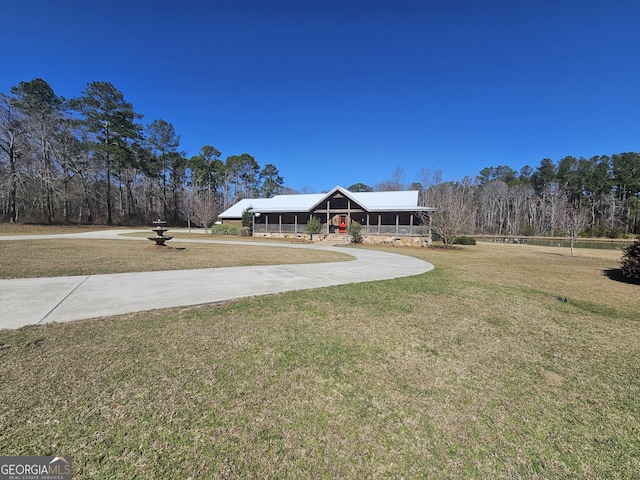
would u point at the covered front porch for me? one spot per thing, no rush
(387, 223)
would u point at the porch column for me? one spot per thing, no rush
(328, 206)
(411, 224)
(379, 224)
(397, 223)
(279, 223)
(367, 223)
(266, 223)
(295, 223)
(430, 232)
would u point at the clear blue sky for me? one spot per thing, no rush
(340, 92)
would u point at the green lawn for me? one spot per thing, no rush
(478, 369)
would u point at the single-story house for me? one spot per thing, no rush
(380, 214)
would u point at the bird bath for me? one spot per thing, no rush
(159, 229)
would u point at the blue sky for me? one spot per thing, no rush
(340, 92)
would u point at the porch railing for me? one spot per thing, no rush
(284, 228)
(399, 230)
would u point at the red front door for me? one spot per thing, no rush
(342, 226)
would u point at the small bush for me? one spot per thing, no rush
(355, 230)
(464, 240)
(600, 231)
(595, 231)
(314, 225)
(631, 260)
(614, 233)
(245, 231)
(225, 229)
(528, 231)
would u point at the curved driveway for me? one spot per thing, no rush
(63, 299)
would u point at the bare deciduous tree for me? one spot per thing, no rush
(494, 204)
(575, 219)
(12, 132)
(394, 184)
(454, 208)
(204, 208)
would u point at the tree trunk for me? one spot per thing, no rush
(13, 184)
(108, 173)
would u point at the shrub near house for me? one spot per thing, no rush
(225, 229)
(464, 240)
(355, 230)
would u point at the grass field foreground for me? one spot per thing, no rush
(478, 369)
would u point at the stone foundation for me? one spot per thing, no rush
(395, 240)
(295, 236)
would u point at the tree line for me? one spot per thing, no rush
(89, 159)
(598, 196)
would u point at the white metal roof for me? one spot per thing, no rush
(370, 201)
(279, 203)
(387, 200)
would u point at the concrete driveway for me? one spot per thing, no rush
(63, 299)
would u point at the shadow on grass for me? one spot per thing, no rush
(616, 275)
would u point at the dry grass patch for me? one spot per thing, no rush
(21, 229)
(59, 257)
(469, 371)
